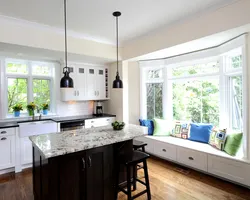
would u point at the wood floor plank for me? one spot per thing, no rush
(166, 184)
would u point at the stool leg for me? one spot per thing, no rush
(129, 183)
(147, 179)
(134, 176)
(143, 149)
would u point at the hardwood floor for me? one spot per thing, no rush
(166, 184)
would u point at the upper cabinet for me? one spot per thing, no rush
(90, 83)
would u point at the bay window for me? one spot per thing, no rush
(205, 90)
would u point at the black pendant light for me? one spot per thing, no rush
(66, 81)
(117, 83)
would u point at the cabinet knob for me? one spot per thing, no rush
(164, 150)
(4, 138)
(3, 132)
(190, 158)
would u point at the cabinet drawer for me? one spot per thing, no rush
(150, 144)
(7, 131)
(229, 169)
(192, 158)
(165, 150)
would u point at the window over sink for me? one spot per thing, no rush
(26, 81)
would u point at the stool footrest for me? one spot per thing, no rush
(139, 194)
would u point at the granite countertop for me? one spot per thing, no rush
(11, 124)
(61, 143)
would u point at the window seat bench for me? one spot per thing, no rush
(199, 156)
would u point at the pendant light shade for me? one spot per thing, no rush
(117, 83)
(66, 81)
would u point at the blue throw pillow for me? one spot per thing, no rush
(200, 132)
(148, 123)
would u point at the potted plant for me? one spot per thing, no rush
(17, 108)
(31, 107)
(45, 107)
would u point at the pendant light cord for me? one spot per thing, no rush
(65, 34)
(117, 49)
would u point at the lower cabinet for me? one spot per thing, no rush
(26, 149)
(229, 169)
(85, 175)
(7, 151)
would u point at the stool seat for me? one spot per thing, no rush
(138, 144)
(137, 157)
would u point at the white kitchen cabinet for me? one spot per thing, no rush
(90, 123)
(7, 149)
(26, 149)
(90, 83)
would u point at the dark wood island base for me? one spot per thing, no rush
(84, 175)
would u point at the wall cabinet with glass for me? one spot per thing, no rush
(90, 83)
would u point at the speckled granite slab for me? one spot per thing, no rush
(56, 144)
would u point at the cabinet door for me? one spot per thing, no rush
(99, 174)
(91, 83)
(100, 83)
(7, 149)
(26, 149)
(72, 183)
(68, 94)
(80, 83)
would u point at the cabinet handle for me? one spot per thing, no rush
(95, 93)
(90, 162)
(4, 138)
(190, 158)
(77, 93)
(3, 132)
(83, 164)
(164, 150)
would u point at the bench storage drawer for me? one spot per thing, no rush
(150, 144)
(229, 169)
(192, 158)
(165, 150)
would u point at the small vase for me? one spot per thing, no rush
(17, 113)
(31, 112)
(45, 111)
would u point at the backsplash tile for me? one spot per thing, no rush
(74, 108)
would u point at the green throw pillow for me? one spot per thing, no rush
(161, 127)
(233, 143)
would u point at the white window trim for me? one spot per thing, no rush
(4, 82)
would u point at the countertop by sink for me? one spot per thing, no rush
(62, 143)
(12, 124)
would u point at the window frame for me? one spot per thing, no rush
(30, 77)
(223, 75)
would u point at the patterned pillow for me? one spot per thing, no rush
(218, 138)
(181, 130)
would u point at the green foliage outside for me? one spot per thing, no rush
(17, 92)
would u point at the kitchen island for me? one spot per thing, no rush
(80, 164)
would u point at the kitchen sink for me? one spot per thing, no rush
(27, 129)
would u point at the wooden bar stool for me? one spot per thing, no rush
(139, 145)
(138, 157)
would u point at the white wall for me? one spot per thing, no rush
(223, 19)
(134, 92)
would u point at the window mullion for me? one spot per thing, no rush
(30, 83)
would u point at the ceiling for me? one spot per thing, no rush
(92, 19)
